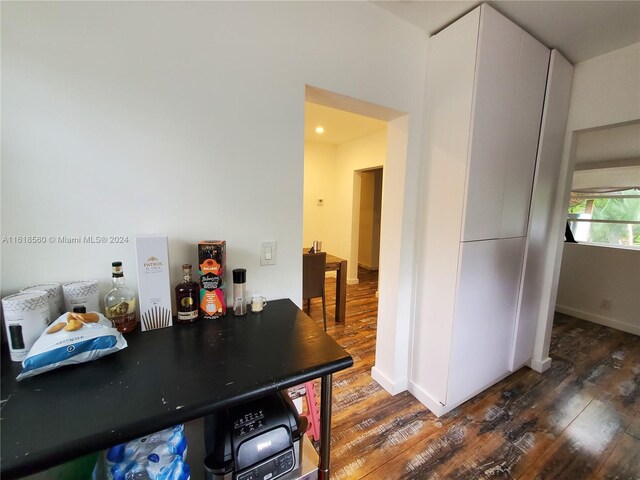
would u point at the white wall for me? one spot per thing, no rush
(331, 174)
(185, 118)
(370, 214)
(604, 92)
(377, 219)
(592, 273)
(605, 89)
(396, 275)
(365, 230)
(319, 183)
(362, 153)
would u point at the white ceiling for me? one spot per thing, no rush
(579, 29)
(339, 126)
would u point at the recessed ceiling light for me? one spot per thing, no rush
(319, 130)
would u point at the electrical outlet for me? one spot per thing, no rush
(605, 304)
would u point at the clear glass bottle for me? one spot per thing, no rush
(239, 291)
(120, 302)
(187, 297)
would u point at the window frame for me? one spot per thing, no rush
(573, 220)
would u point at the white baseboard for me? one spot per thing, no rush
(352, 281)
(331, 274)
(539, 366)
(393, 387)
(599, 319)
(437, 408)
(427, 400)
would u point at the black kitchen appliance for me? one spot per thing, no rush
(260, 439)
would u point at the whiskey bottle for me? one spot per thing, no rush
(187, 297)
(120, 302)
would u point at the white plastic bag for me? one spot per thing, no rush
(72, 338)
(159, 456)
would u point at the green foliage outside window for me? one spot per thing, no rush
(611, 208)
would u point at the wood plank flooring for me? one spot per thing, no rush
(579, 420)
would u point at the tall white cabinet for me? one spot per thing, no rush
(486, 81)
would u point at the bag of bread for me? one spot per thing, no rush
(73, 338)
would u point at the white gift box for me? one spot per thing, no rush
(154, 289)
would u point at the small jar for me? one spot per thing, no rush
(239, 292)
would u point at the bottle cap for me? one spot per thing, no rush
(239, 275)
(116, 269)
(80, 309)
(186, 266)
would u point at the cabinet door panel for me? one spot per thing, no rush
(523, 136)
(496, 71)
(509, 258)
(485, 313)
(450, 77)
(471, 365)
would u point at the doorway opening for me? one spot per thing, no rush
(334, 172)
(343, 150)
(369, 212)
(598, 271)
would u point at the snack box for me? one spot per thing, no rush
(212, 259)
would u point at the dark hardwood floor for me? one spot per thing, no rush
(578, 420)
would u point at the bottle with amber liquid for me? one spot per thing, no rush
(187, 297)
(120, 303)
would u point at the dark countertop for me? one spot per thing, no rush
(164, 377)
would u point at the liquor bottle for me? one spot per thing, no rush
(120, 302)
(187, 297)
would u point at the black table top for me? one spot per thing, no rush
(164, 377)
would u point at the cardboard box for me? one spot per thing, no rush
(154, 288)
(212, 259)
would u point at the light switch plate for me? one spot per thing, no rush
(268, 252)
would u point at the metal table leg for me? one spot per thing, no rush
(325, 427)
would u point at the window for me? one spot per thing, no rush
(606, 217)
